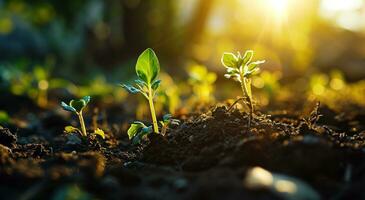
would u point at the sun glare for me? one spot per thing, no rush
(278, 8)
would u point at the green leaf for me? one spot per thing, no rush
(71, 129)
(148, 66)
(78, 104)
(99, 132)
(140, 82)
(229, 60)
(247, 57)
(143, 132)
(86, 99)
(156, 84)
(67, 107)
(253, 65)
(167, 117)
(134, 129)
(131, 89)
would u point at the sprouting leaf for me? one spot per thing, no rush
(86, 99)
(229, 60)
(71, 129)
(148, 66)
(143, 132)
(99, 132)
(253, 65)
(156, 84)
(167, 117)
(131, 89)
(140, 82)
(247, 73)
(67, 107)
(247, 57)
(134, 129)
(78, 104)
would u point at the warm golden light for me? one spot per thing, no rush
(278, 8)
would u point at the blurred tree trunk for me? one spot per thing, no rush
(134, 25)
(195, 28)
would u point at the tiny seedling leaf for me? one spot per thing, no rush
(99, 132)
(247, 57)
(71, 129)
(78, 104)
(143, 132)
(229, 60)
(86, 99)
(156, 84)
(140, 82)
(67, 107)
(167, 117)
(131, 89)
(148, 66)
(253, 65)
(134, 129)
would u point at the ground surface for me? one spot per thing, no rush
(207, 157)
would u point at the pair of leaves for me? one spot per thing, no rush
(237, 64)
(71, 129)
(77, 105)
(147, 70)
(137, 131)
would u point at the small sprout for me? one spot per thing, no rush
(99, 132)
(76, 106)
(71, 129)
(147, 70)
(242, 69)
(137, 131)
(167, 121)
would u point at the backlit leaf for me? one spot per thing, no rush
(247, 57)
(148, 66)
(134, 129)
(229, 60)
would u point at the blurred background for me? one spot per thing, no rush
(314, 48)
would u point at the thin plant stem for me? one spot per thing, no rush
(245, 91)
(82, 124)
(152, 109)
(234, 103)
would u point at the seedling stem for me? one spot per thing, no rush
(82, 123)
(152, 109)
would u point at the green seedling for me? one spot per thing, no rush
(137, 131)
(167, 121)
(77, 106)
(241, 69)
(147, 70)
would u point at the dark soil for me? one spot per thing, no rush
(206, 157)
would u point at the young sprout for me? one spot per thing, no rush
(167, 121)
(76, 106)
(242, 69)
(137, 131)
(147, 70)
